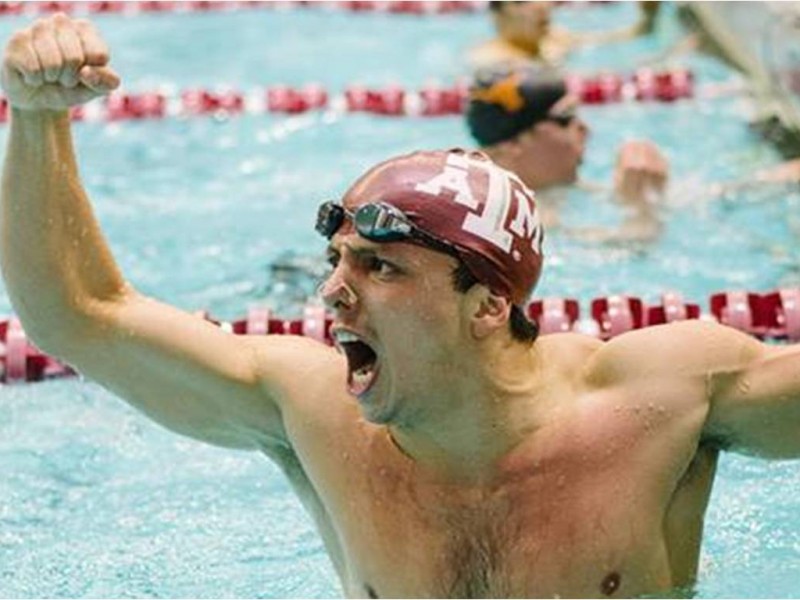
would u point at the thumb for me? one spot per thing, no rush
(101, 80)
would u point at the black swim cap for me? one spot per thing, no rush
(504, 102)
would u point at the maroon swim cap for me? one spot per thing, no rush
(464, 198)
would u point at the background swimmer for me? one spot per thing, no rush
(526, 120)
(525, 34)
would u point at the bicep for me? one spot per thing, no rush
(182, 371)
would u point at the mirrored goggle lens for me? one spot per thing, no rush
(562, 119)
(381, 223)
(330, 217)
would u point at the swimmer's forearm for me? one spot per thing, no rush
(54, 258)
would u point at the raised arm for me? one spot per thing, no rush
(640, 178)
(67, 289)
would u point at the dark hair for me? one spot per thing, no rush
(523, 329)
(497, 5)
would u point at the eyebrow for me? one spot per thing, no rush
(358, 252)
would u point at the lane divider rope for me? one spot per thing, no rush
(432, 100)
(129, 9)
(772, 316)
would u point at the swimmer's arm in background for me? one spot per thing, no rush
(785, 173)
(64, 282)
(645, 25)
(635, 229)
(640, 180)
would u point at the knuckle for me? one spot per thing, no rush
(97, 56)
(61, 18)
(20, 39)
(41, 27)
(84, 25)
(50, 65)
(72, 61)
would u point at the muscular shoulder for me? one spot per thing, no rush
(566, 355)
(684, 349)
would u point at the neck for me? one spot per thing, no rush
(477, 422)
(507, 156)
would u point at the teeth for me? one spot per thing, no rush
(344, 337)
(362, 376)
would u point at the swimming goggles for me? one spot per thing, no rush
(378, 222)
(563, 118)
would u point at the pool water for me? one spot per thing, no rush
(99, 502)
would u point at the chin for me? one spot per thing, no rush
(376, 408)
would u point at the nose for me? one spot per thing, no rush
(336, 292)
(582, 127)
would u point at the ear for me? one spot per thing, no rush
(491, 312)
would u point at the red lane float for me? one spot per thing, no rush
(783, 314)
(617, 314)
(284, 99)
(671, 309)
(21, 361)
(554, 315)
(774, 315)
(736, 309)
(204, 102)
(666, 86)
(315, 323)
(135, 106)
(644, 85)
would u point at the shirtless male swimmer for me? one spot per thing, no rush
(443, 452)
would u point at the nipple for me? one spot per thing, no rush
(610, 584)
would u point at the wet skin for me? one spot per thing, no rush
(602, 494)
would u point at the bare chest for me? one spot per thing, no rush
(551, 535)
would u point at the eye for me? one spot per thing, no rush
(381, 267)
(333, 259)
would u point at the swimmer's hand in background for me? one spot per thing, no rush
(641, 173)
(56, 63)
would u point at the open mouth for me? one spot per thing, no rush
(362, 362)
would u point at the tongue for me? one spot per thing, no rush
(361, 366)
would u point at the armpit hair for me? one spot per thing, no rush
(718, 440)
